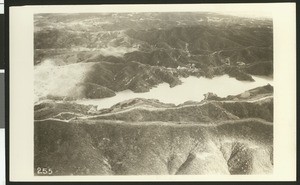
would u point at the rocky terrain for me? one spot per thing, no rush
(232, 135)
(112, 52)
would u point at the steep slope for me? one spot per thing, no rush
(233, 135)
(111, 148)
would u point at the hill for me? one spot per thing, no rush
(146, 137)
(137, 51)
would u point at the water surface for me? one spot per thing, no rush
(192, 89)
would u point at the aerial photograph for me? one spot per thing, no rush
(152, 93)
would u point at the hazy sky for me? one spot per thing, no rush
(247, 14)
(242, 9)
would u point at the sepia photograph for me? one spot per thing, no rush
(160, 93)
(200, 92)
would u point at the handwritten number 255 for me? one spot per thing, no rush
(44, 171)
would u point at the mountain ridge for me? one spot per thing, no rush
(152, 54)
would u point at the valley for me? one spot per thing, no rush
(162, 93)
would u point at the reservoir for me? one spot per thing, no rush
(192, 89)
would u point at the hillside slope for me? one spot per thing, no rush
(138, 51)
(146, 137)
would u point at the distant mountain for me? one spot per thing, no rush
(137, 51)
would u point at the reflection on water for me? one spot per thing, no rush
(192, 88)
